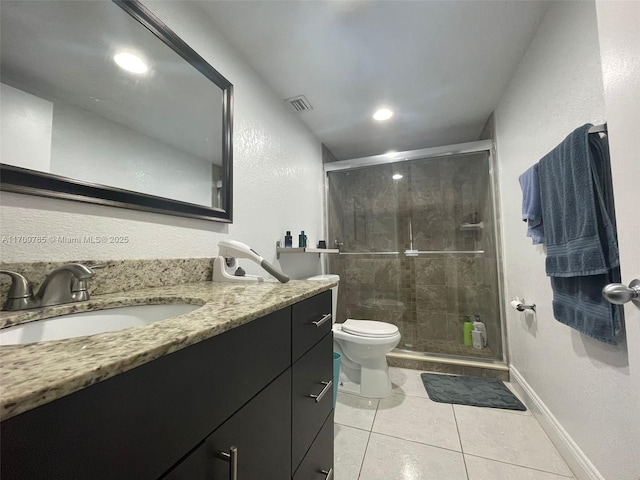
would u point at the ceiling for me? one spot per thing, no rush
(441, 66)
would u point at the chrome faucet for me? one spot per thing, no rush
(65, 284)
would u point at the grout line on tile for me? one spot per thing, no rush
(375, 414)
(455, 419)
(572, 477)
(364, 456)
(351, 426)
(417, 443)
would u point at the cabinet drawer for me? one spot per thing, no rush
(318, 462)
(261, 433)
(140, 423)
(310, 322)
(309, 413)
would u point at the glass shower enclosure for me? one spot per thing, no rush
(418, 248)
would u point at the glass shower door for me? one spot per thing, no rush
(418, 250)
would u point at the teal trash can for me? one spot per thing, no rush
(337, 358)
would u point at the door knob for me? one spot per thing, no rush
(619, 293)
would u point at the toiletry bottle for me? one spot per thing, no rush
(477, 339)
(288, 240)
(479, 326)
(467, 328)
(302, 240)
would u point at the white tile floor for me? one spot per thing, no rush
(409, 437)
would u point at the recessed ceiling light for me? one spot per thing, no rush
(396, 176)
(383, 114)
(130, 62)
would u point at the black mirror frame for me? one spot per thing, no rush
(26, 181)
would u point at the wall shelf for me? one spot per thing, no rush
(280, 249)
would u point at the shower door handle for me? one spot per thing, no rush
(619, 293)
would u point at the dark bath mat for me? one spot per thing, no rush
(480, 392)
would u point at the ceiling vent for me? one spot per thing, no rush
(299, 103)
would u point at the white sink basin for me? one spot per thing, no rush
(90, 323)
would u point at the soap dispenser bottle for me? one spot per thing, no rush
(479, 326)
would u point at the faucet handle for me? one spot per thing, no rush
(78, 270)
(98, 266)
(20, 294)
(20, 287)
(79, 289)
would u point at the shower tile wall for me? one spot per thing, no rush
(427, 296)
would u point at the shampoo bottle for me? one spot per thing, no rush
(477, 339)
(467, 328)
(480, 327)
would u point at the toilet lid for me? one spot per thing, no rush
(369, 328)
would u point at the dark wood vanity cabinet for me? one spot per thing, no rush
(259, 432)
(311, 375)
(312, 387)
(318, 462)
(175, 417)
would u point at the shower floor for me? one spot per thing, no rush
(450, 347)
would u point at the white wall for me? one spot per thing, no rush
(618, 26)
(86, 146)
(25, 129)
(277, 181)
(583, 383)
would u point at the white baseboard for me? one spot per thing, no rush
(577, 461)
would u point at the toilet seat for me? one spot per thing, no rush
(369, 328)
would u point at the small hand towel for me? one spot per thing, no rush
(531, 205)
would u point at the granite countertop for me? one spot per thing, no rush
(34, 374)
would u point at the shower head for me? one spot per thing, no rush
(235, 249)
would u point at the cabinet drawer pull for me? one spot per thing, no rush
(232, 458)
(328, 473)
(327, 387)
(324, 318)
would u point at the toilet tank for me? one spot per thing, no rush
(334, 290)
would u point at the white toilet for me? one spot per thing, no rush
(363, 345)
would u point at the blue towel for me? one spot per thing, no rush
(579, 218)
(531, 206)
(578, 303)
(577, 243)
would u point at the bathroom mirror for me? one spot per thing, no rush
(103, 103)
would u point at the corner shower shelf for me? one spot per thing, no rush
(280, 250)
